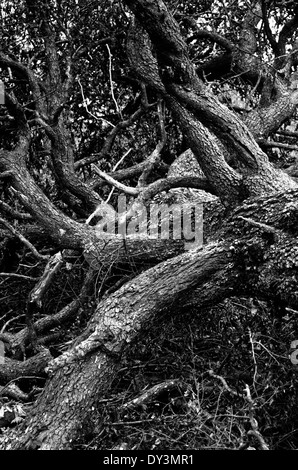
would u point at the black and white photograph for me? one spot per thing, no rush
(149, 228)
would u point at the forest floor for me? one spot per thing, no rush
(236, 385)
(232, 383)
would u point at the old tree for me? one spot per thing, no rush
(101, 99)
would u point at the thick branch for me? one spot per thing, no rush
(272, 144)
(287, 31)
(116, 323)
(153, 394)
(34, 366)
(27, 73)
(211, 35)
(154, 158)
(128, 173)
(166, 184)
(270, 37)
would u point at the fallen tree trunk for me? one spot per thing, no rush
(85, 372)
(256, 255)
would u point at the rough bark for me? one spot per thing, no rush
(32, 367)
(198, 111)
(264, 260)
(90, 365)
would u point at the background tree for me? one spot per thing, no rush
(136, 83)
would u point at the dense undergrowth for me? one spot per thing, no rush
(247, 349)
(234, 384)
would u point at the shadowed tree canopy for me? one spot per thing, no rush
(155, 100)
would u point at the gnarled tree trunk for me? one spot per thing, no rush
(251, 248)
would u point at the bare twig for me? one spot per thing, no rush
(253, 422)
(23, 240)
(126, 189)
(111, 81)
(273, 144)
(115, 168)
(98, 118)
(153, 393)
(264, 227)
(155, 155)
(20, 276)
(288, 133)
(253, 355)
(224, 382)
(9, 322)
(247, 396)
